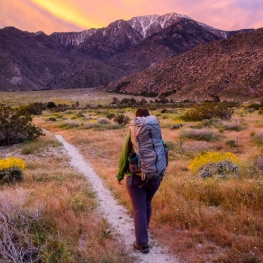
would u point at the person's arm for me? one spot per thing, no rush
(123, 160)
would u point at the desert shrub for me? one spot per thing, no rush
(259, 162)
(133, 101)
(35, 108)
(125, 101)
(161, 100)
(203, 159)
(103, 120)
(254, 106)
(110, 115)
(11, 169)
(51, 105)
(80, 115)
(231, 143)
(208, 111)
(203, 134)
(121, 119)
(16, 228)
(142, 101)
(233, 126)
(149, 94)
(257, 138)
(60, 107)
(223, 169)
(12, 162)
(115, 100)
(51, 119)
(16, 126)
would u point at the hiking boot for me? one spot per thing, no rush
(144, 248)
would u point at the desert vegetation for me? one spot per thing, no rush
(50, 216)
(215, 218)
(16, 125)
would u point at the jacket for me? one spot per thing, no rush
(123, 160)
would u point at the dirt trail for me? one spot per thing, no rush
(116, 214)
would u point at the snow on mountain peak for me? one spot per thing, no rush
(144, 24)
(73, 38)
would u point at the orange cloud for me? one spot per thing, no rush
(29, 17)
(67, 11)
(77, 15)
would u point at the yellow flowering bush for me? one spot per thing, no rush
(11, 161)
(211, 157)
(12, 168)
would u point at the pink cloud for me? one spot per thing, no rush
(29, 17)
(225, 14)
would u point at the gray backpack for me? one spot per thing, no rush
(149, 159)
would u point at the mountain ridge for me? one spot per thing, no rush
(95, 57)
(230, 68)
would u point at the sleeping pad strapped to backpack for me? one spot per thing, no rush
(147, 143)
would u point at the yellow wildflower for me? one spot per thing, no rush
(10, 162)
(211, 157)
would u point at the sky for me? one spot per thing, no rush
(77, 15)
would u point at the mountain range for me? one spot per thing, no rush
(145, 53)
(227, 69)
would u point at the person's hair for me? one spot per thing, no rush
(142, 113)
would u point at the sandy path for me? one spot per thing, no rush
(117, 215)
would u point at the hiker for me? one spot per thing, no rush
(144, 144)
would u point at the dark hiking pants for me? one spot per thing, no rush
(141, 195)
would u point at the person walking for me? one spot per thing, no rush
(145, 145)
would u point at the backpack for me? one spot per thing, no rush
(149, 157)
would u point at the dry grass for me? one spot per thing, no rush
(54, 212)
(201, 220)
(204, 220)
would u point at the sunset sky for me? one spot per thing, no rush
(77, 15)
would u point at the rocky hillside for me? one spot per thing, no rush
(95, 57)
(229, 69)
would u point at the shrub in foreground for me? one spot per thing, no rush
(203, 159)
(223, 169)
(16, 126)
(11, 169)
